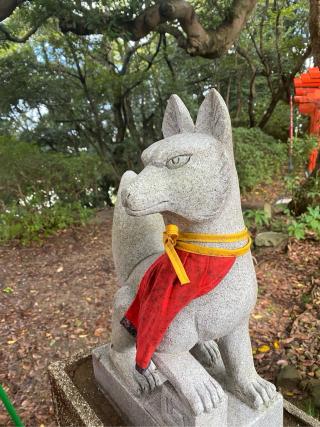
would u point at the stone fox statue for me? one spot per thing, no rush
(189, 180)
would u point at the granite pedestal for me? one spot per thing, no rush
(165, 407)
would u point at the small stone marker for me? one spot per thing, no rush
(271, 238)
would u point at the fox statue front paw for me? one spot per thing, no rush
(149, 380)
(256, 392)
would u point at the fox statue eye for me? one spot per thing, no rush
(178, 161)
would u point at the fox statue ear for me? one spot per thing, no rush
(214, 119)
(176, 118)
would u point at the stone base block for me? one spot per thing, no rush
(165, 407)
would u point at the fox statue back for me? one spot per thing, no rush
(187, 280)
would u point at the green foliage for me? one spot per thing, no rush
(34, 221)
(41, 192)
(312, 219)
(302, 147)
(296, 230)
(305, 191)
(313, 191)
(259, 157)
(256, 218)
(278, 125)
(310, 408)
(307, 223)
(108, 94)
(306, 299)
(25, 170)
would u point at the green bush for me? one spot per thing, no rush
(256, 218)
(25, 170)
(308, 222)
(34, 222)
(259, 157)
(278, 125)
(41, 192)
(301, 227)
(301, 150)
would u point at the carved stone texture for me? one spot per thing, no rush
(165, 407)
(189, 180)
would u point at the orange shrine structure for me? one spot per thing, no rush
(307, 96)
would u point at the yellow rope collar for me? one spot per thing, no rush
(173, 240)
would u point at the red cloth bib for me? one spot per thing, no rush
(160, 297)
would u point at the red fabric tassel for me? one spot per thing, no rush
(160, 297)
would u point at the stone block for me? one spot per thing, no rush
(79, 402)
(165, 407)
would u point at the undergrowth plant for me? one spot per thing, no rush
(306, 224)
(42, 192)
(256, 218)
(34, 222)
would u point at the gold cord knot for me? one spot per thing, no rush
(171, 234)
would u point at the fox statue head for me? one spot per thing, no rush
(191, 172)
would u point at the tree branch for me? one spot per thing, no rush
(210, 43)
(150, 63)
(314, 27)
(195, 39)
(12, 38)
(252, 89)
(176, 33)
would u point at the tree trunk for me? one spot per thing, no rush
(7, 7)
(228, 92)
(130, 121)
(268, 113)
(119, 121)
(252, 94)
(314, 26)
(239, 98)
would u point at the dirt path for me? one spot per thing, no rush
(60, 302)
(57, 298)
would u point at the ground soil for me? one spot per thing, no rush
(56, 299)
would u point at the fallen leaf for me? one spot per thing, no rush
(263, 348)
(257, 316)
(289, 393)
(98, 332)
(282, 362)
